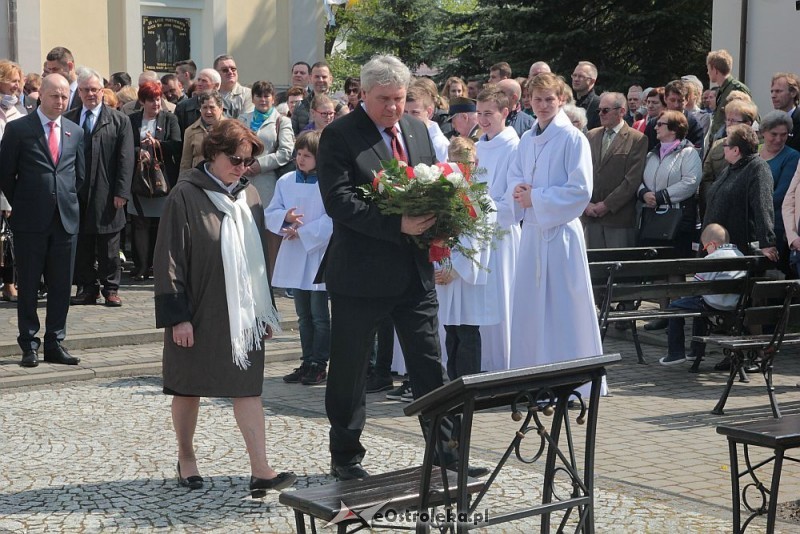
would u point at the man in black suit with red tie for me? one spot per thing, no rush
(41, 171)
(372, 269)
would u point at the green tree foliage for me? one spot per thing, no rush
(647, 41)
(405, 28)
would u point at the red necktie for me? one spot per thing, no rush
(52, 141)
(397, 149)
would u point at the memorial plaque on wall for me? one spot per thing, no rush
(165, 40)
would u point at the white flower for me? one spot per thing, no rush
(381, 187)
(426, 173)
(457, 179)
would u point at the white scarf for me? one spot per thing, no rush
(250, 308)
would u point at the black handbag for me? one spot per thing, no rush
(149, 179)
(660, 224)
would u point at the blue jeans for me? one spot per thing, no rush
(314, 321)
(675, 336)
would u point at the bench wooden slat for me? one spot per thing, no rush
(783, 432)
(765, 315)
(680, 266)
(626, 292)
(772, 289)
(398, 489)
(630, 254)
(746, 342)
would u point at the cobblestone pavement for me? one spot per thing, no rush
(91, 449)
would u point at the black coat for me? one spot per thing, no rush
(109, 168)
(169, 133)
(36, 188)
(367, 255)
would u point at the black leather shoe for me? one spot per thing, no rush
(29, 358)
(60, 355)
(84, 297)
(193, 482)
(348, 472)
(259, 486)
(656, 324)
(472, 472)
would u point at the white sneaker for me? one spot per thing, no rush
(672, 360)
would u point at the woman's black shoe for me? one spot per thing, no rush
(724, 365)
(259, 486)
(192, 482)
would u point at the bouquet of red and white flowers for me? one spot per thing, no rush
(461, 205)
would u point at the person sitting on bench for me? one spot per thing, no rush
(716, 241)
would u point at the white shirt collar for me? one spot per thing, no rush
(95, 110)
(46, 121)
(380, 128)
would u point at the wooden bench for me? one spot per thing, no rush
(779, 435)
(596, 255)
(754, 348)
(389, 494)
(625, 281)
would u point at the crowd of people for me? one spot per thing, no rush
(263, 194)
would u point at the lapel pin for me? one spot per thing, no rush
(68, 134)
(158, 128)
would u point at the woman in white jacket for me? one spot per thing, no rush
(671, 178)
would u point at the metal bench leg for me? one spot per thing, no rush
(635, 334)
(734, 467)
(773, 490)
(773, 401)
(736, 367)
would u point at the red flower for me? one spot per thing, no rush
(438, 251)
(410, 173)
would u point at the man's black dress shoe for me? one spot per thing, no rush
(656, 324)
(472, 472)
(348, 472)
(193, 482)
(59, 354)
(29, 358)
(85, 297)
(259, 486)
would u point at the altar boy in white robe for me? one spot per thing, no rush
(296, 212)
(495, 149)
(550, 182)
(467, 299)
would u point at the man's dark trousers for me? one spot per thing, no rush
(352, 333)
(52, 253)
(104, 247)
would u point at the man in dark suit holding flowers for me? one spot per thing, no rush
(372, 269)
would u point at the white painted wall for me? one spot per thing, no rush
(771, 41)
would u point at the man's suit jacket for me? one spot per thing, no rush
(617, 175)
(109, 167)
(367, 255)
(34, 185)
(794, 138)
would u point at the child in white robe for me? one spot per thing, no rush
(296, 212)
(495, 149)
(467, 300)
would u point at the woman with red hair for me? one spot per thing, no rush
(151, 124)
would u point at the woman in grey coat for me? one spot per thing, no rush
(278, 137)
